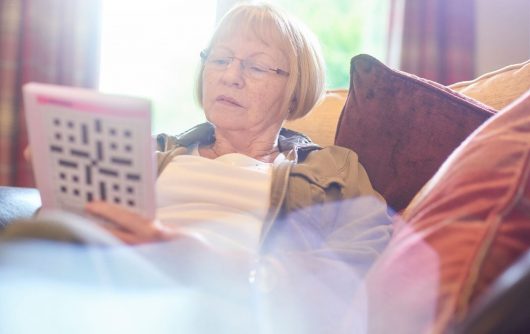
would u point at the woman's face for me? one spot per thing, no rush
(237, 95)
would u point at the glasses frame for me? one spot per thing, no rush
(205, 54)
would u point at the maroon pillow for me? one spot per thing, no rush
(470, 222)
(402, 127)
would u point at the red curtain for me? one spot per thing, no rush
(433, 39)
(48, 41)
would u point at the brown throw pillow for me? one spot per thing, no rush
(402, 127)
(471, 222)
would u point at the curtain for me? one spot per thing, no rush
(47, 41)
(433, 39)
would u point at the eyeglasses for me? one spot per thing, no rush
(251, 68)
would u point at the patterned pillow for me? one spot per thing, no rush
(403, 127)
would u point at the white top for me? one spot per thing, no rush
(223, 200)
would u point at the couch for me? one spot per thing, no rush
(453, 163)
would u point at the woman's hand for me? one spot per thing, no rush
(129, 226)
(196, 259)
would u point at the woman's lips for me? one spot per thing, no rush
(228, 100)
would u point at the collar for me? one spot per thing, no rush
(295, 143)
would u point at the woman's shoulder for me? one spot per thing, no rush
(327, 162)
(333, 154)
(336, 165)
(202, 133)
(168, 146)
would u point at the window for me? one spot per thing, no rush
(344, 28)
(151, 49)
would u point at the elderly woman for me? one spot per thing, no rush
(241, 179)
(258, 203)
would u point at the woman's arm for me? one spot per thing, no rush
(332, 211)
(129, 226)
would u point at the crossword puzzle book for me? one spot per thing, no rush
(89, 146)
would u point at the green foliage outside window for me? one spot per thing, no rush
(344, 28)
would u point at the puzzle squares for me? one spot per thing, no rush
(90, 146)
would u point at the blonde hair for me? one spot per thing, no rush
(306, 80)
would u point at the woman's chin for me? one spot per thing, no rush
(228, 123)
(227, 118)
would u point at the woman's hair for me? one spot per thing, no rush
(305, 84)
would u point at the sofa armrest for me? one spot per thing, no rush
(17, 203)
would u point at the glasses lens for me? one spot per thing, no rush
(255, 70)
(218, 62)
(251, 67)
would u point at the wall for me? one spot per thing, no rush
(503, 33)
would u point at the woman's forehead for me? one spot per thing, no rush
(230, 35)
(250, 42)
(238, 39)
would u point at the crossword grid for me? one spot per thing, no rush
(94, 159)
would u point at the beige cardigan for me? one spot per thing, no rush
(321, 199)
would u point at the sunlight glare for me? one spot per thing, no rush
(151, 49)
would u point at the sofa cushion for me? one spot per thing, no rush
(321, 122)
(470, 223)
(497, 88)
(403, 127)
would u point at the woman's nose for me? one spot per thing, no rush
(234, 74)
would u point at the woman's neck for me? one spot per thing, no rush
(263, 147)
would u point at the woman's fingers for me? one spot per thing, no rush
(121, 234)
(116, 214)
(126, 220)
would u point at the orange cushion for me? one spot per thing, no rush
(321, 122)
(470, 223)
(498, 88)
